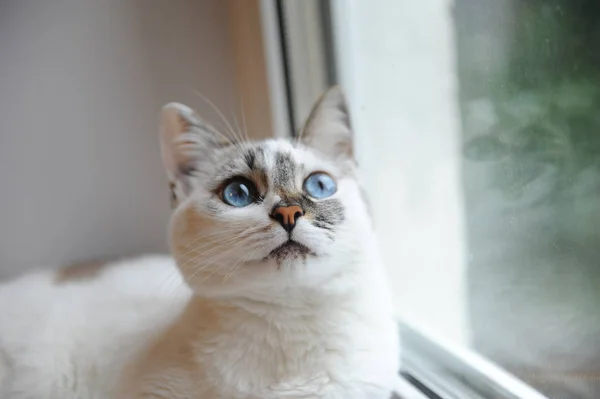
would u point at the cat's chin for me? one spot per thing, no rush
(290, 250)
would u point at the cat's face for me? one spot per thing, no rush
(251, 215)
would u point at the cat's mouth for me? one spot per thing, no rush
(290, 249)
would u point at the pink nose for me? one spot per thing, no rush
(287, 216)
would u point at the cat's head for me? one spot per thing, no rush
(253, 215)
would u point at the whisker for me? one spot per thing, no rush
(246, 231)
(225, 121)
(245, 139)
(213, 233)
(245, 127)
(217, 246)
(234, 228)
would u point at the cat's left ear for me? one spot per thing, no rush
(185, 139)
(327, 128)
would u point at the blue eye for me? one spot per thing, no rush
(239, 192)
(320, 185)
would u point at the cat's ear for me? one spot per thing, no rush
(185, 138)
(327, 128)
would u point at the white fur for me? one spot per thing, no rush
(71, 341)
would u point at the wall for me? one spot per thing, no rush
(81, 84)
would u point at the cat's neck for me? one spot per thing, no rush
(281, 331)
(355, 290)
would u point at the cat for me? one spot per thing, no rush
(280, 289)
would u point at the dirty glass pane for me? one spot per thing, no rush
(529, 73)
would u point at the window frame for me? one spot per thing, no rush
(447, 371)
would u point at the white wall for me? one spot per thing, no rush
(396, 62)
(81, 83)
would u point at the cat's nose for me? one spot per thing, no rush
(287, 216)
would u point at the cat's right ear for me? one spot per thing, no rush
(185, 138)
(328, 126)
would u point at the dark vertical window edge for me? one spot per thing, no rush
(286, 65)
(328, 42)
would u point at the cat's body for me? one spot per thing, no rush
(276, 244)
(70, 339)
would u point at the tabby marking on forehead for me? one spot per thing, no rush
(250, 158)
(284, 171)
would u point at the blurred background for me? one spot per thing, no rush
(478, 118)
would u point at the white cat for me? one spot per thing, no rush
(287, 300)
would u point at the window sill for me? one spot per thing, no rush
(433, 369)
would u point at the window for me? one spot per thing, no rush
(479, 120)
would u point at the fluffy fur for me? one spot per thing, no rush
(71, 340)
(258, 322)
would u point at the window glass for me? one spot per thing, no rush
(530, 101)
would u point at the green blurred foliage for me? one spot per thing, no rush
(547, 102)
